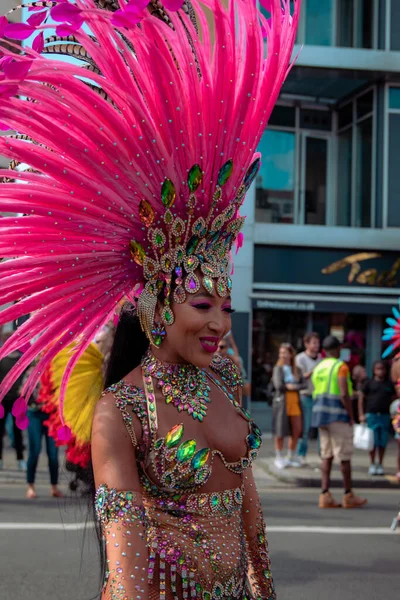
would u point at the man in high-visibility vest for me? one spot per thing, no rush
(333, 415)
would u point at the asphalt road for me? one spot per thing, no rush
(317, 555)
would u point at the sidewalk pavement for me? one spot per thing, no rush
(310, 475)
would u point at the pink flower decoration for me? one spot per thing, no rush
(64, 434)
(4, 127)
(1, 411)
(67, 13)
(38, 43)
(22, 422)
(17, 69)
(66, 30)
(19, 407)
(18, 31)
(37, 18)
(173, 4)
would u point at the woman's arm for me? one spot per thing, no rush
(277, 379)
(259, 575)
(119, 505)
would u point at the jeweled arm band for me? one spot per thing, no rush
(111, 505)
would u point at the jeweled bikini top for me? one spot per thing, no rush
(180, 465)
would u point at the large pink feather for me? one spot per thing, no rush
(68, 261)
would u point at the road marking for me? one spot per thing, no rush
(46, 526)
(330, 530)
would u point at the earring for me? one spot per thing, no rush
(158, 333)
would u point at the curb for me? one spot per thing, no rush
(288, 477)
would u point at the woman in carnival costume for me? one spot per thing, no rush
(139, 160)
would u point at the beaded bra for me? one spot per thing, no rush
(181, 465)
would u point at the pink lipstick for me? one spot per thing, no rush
(210, 344)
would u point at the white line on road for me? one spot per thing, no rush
(270, 529)
(330, 530)
(46, 526)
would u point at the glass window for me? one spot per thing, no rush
(364, 174)
(394, 97)
(316, 150)
(283, 116)
(345, 115)
(345, 159)
(345, 23)
(316, 119)
(319, 22)
(275, 181)
(365, 104)
(365, 24)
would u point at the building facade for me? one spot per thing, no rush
(322, 239)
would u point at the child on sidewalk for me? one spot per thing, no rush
(374, 404)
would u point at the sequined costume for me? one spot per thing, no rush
(172, 536)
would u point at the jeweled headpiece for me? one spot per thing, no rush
(180, 246)
(143, 149)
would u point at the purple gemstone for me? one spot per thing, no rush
(192, 284)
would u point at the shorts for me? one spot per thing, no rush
(380, 425)
(293, 408)
(336, 441)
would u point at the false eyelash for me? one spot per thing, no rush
(230, 311)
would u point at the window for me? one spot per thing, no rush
(344, 23)
(355, 162)
(319, 22)
(275, 181)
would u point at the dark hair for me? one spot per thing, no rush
(309, 336)
(129, 346)
(331, 343)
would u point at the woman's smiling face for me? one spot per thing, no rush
(200, 323)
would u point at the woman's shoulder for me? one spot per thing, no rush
(229, 372)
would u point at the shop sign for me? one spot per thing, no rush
(354, 266)
(326, 266)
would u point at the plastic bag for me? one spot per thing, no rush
(363, 438)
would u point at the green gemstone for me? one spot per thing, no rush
(208, 284)
(215, 501)
(137, 252)
(159, 239)
(225, 172)
(253, 441)
(218, 591)
(206, 596)
(192, 245)
(158, 444)
(168, 193)
(185, 451)
(174, 436)
(251, 173)
(195, 177)
(167, 316)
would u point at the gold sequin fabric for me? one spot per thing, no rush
(189, 543)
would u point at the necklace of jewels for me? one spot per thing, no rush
(185, 386)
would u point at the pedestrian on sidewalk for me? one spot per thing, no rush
(374, 409)
(37, 429)
(286, 409)
(395, 415)
(333, 415)
(307, 361)
(6, 406)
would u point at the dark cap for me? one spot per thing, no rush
(331, 343)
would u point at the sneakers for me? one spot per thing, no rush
(294, 463)
(21, 465)
(280, 462)
(372, 470)
(352, 501)
(380, 470)
(327, 501)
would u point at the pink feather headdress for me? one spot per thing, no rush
(163, 118)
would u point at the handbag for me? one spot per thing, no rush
(363, 438)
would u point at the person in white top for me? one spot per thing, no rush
(307, 361)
